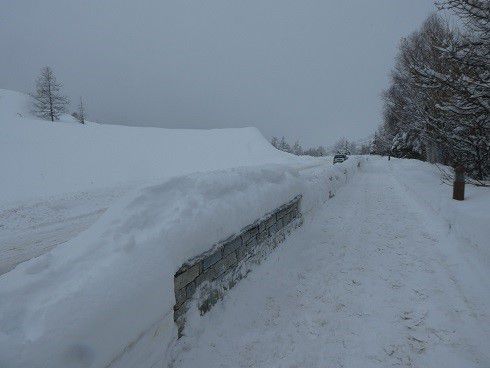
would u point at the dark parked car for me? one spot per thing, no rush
(339, 158)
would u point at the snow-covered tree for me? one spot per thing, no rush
(437, 106)
(275, 142)
(48, 101)
(344, 146)
(284, 146)
(297, 149)
(80, 114)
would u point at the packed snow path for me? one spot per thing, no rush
(371, 280)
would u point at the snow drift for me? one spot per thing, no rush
(39, 158)
(84, 302)
(90, 301)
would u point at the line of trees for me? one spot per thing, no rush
(297, 149)
(343, 145)
(48, 101)
(437, 106)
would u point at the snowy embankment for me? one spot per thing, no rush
(85, 301)
(58, 178)
(39, 158)
(105, 297)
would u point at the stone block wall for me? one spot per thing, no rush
(205, 278)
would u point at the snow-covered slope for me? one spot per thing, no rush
(89, 300)
(40, 158)
(58, 178)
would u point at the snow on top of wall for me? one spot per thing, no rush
(40, 158)
(88, 299)
(97, 292)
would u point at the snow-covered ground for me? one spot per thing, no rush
(58, 178)
(33, 228)
(388, 272)
(375, 278)
(110, 213)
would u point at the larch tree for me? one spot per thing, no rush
(48, 101)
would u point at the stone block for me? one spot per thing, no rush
(262, 226)
(224, 264)
(180, 297)
(232, 245)
(190, 289)
(212, 259)
(242, 252)
(179, 312)
(249, 233)
(187, 276)
(262, 237)
(207, 276)
(252, 243)
(282, 213)
(270, 221)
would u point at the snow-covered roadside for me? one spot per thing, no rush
(88, 299)
(31, 229)
(468, 220)
(368, 281)
(58, 178)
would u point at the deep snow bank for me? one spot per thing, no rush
(106, 296)
(40, 158)
(92, 300)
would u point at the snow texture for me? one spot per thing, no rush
(374, 278)
(90, 300)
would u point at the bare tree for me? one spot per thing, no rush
(48, 102)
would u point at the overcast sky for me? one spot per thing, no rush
(311, 70)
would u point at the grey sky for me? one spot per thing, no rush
(311, 70)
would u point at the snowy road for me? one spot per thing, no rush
(370, 280)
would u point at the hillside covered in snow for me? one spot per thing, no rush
(40, 158)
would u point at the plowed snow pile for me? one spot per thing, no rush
(108, 292)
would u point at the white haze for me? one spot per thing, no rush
(311, 70)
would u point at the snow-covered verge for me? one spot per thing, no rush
(467, 220)
(88, 302)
